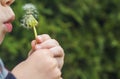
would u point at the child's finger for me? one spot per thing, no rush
(59, 55)
(42, 38)
(47, 44)
(57, 51)
(33, 43)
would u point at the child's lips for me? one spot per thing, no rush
(8, 27)
(8, 24)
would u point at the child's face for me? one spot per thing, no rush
(6, 17)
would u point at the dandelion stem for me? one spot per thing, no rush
(35, 32)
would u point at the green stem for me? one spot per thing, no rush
(35, 32)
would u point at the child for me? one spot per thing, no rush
(45, 59)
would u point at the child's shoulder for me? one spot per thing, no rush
(4, 73)
(3, 70)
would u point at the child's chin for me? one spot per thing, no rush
(0, 41)
(1, 37)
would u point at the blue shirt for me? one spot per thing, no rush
(4, 73)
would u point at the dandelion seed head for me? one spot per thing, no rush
(30, 10)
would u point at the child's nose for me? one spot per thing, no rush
(12, 15)
(9, 13)
(7, 2)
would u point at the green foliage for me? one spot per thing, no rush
(88, 30)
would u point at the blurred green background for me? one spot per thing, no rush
(88, 30)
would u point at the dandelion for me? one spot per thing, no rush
(29, 18)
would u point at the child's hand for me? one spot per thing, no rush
(39, 65)
(46, 58)
(45, 42)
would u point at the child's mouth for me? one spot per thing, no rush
(8, 27)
